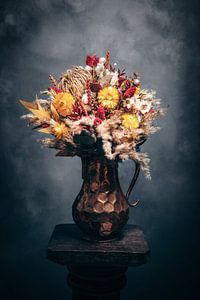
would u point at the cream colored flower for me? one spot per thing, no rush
(100, 68)
(143, 106)
(114, 80)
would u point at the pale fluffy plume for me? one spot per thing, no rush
(107, 131)
(57, 144)
(142, 158)
(76, 126)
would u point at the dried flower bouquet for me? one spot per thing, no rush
(96, 109)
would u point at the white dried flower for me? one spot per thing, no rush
(88, 68)
(136, 81)
(102, 60)
(114, 80)
(100, 68)
(108, 72)
(85, 98)
(143, 106)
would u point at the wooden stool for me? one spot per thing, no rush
(97, 269)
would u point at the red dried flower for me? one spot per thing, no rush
(97, 121)
(82, 107)
(76, 114)
(55, 89)
(92, 60)
(89, 96)
(101, 112)
(45, 125)
(130, 92)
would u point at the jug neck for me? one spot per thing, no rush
(100, 170)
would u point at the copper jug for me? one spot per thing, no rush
(101, 209)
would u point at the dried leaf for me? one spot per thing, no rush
(61, 153)
(45, 130)
(28, 105)
(54, 113)
(65, 153)
(38, 103)
(42, 115)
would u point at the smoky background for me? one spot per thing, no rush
(160, 41)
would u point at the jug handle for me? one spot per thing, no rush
(133, 181)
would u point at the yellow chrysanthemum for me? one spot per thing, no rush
(130, 121)
(63, 102)
(108, 97)
(59, 130)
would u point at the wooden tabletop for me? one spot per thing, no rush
(67, 247)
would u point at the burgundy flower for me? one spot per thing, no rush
(121, 80)
(55, 89)
(92, 60)
(130, 92)
(95, 87)
(101, 112)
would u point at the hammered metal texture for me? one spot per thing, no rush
(100, 209)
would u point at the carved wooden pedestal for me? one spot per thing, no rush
(97, 269)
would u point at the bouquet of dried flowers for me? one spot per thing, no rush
(96, 109)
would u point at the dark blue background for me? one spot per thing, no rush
(160, 39)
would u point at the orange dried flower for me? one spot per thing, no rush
(63, 102)
(59, 130)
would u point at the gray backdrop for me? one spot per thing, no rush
(159, 39)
